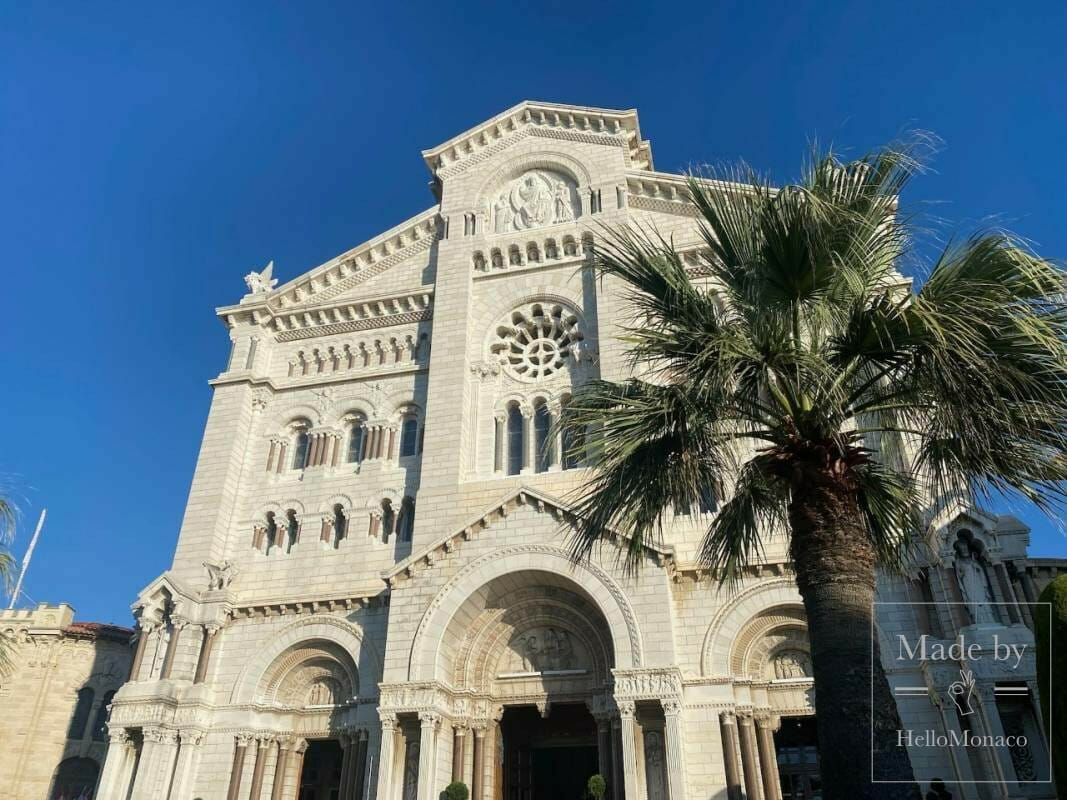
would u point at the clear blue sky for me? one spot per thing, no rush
(152, 154)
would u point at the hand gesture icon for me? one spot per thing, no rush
(962, 691)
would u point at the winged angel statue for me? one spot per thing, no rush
(261, 282)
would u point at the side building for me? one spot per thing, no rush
(371, 593)
(54, 701)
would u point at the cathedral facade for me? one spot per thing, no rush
(371, 594)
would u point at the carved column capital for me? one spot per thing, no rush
(388, 720)
(191, 737)
(728, 718)
(627, 708)
(771, 722)
(672, 706)
(429, 719)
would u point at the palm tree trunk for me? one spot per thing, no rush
(834, 565)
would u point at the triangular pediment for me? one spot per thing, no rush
(523, 496)
(551, 120)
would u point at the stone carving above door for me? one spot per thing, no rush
(533, 200)
(543, 649)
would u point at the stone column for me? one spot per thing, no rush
(478, 768)
(750, 759)
(188, 758)
(240, 746)
(172, 649)
(138, 654)
(204, 658)
(992, 726)
(459, 747)
(277, 788)
(120, 748)
(429, 723)
(348, 752)
(147, 767)
(358, 777)
(728, 728)
(603, 749)
(387, 757)
(555, 440)
(298, 763)
(627, 711)
(499, 435)
(170, 751)
(672, 714)
(262, 745)
(529, 447)
(1014, 614)
(617, 782)
(768, 757)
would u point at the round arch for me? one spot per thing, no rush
(545, 159)
(331, 630)
(729, 624)
(585, 579)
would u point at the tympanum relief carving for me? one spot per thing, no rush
(533, 200)
(543, 649)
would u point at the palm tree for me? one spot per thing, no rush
(807, 383)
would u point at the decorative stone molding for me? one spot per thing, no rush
(648, 684)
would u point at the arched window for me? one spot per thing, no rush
(355, 442)
(300, 451)
(100, 724)
(514, 440)
(272, 532)
(82, 709)
(406, 522)
(542, 440)
(340, 524)
(709, 502)
(572, 442)
(292, 529)
(409, 436)
(388, 520)
(74, 777)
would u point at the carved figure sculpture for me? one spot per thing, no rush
(261, 282)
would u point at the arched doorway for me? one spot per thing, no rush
(538, 646)
(75, 779)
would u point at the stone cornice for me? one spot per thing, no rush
(328, 319)
(578, 123)
(524, 495)
(353, 267)
(370, 597)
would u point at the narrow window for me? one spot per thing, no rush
(340, 524)
(355, 442)
(292, 529)
(406, 523)
(251, 358)
(300, 452)
(100, 724)
(409, 436)
(542, 427)
(81, 713)
(514, 440)
(708, 501)
(272, 531)
(573, 442)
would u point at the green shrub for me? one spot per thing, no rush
(596, 786)
(1053, 703)
(457, 790)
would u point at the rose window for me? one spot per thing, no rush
(538, 341)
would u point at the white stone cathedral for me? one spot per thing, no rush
(371, 594)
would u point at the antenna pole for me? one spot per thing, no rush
(26, 559)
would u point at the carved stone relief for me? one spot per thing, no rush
(533, 200)
(543, 649)
(791, 664)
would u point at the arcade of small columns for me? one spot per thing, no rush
(553, 456)
(749, 756)
(326, 446)
(168, 633)
(474, 742)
